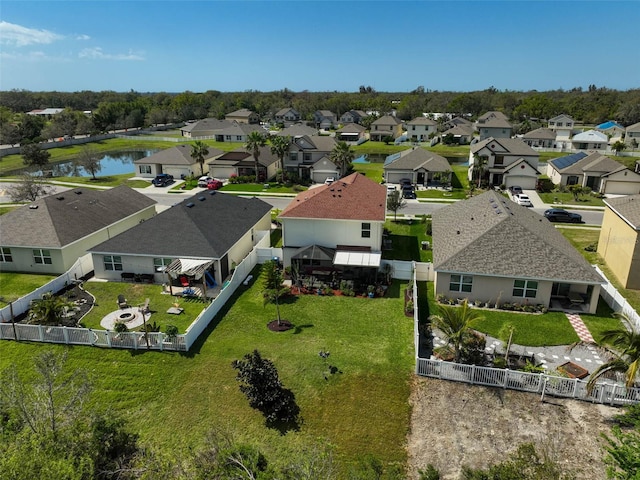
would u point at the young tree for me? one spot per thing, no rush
(199, 150)
(280, 148)
(272, 288)
(33, 155)
(9, 134)
(395, 202)
(28, 189)
(618, 147)
(455, 324)
(255, 140)
(261, 385)
(342, 156)
(89, 159)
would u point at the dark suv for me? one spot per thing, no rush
(560, 215)
(162, 180)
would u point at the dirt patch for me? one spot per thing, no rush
(454, 424)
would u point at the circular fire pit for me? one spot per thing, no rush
(130, 317)
(125, 317)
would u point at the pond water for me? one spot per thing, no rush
(114, 163)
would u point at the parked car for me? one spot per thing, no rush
(204, 180)
(515, 190)
(523, 200)
(408, 192)
(391, 189)
(162, 180)
(214, 184)
(329, 180)
(404, 182)
(560, 215)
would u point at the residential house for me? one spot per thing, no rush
(495, 125)
(46, 112)
(540, 137)
(488, 249)
(598, 172)
(421, 129)
(50, 234)
(590, 140)
(287, 116)
(507, 161)
(353, 116)
(244, 115)
(462, 134)
(386, 126)
(352, 133)
(336, 227)
(297, 130)
(458, 121)
(563, 126)
(619, 242)
(176, 161)
(632, 135)
(240, 163)
(325, 119)
(305, 152)
(238, 132)
(207, 127)
(211, 229)
(421, 166)
(613, 130)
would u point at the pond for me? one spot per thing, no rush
(113, 163)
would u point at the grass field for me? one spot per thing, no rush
(406, 238)
(568, 199)
(16, 285)
(174, 399)
(259, 188)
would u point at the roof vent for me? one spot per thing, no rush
(60, 197)
(458, 232)
(201, 198)
(78, 192)
(190, 205)
(33, 207)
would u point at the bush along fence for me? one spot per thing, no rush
(543, 384)
(617, 302)
(129, 340)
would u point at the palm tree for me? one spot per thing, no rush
(280, 148)
(342, 156)
(199, 150)
(49, 309)
(479, 167)
(454, 323)
(255, 140)
(626, 341)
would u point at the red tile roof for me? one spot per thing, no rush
(354, 197)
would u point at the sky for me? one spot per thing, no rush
(392, 46)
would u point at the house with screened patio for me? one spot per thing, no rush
(489, 250)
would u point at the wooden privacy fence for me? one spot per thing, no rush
(543, 384)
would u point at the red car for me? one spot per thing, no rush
(214, 184)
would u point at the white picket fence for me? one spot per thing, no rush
(617, 302)
(543, 384)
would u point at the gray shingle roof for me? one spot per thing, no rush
(422, 121)
(206, 230)
(543, 133)
(298, 130)
(207, 124)
(491, 235)
(70, 216)
(514, 146)
(416, 158)
(591, 163)
(180, 155)
(633, 128)
(628, 208)
(387, 120)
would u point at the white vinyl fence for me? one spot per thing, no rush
(616, 301)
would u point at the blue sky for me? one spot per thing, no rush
(173, 46)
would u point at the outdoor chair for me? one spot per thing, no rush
(184, 281)
(122, 302)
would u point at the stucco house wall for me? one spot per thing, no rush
(330, 233)
(619, 246)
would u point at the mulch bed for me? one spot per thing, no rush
(83, 299)
(283, 326)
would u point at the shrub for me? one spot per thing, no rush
(120, 327)
(171, 331)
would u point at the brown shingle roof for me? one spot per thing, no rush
(354, 197)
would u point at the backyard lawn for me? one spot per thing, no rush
(406, 240)
(566, 198)
(16, 285)
(173, 399)
(260, 188)
(107, 181)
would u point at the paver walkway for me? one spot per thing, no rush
(581, 329)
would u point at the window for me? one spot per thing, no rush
(5, 255)
(559, 124)
(460, 283)
(525, 288)
(499, 160)
(160, 264)
(307, 157)
(112, 262)
(293, 156)
(366, 230)
(239, 138)
(227, 138)
(42, 257)
(145, 169)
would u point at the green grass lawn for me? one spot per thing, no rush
(172, 399)
(4, 210)
(259, 187)
(16, 285)
(108, 181)
(567, 199)
(406, 238)
(372, 170)
(461, 151)
(455, 194)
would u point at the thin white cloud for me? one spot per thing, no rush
(36, 56)
(12, 34)
(83, 37)
(96, 53)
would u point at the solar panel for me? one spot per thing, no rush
(564, 162)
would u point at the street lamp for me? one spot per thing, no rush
(13, 319)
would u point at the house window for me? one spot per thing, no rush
(525, 288)
(5, 255)
(112, 262)
(307, 157)
(559, 124)
(145, 169)
(499, 160)
(42, 257)
(293, 156)
(460, 283)
(366, 230)
(572, 180)
(227, 138)
(160, 264)
(239, 138)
